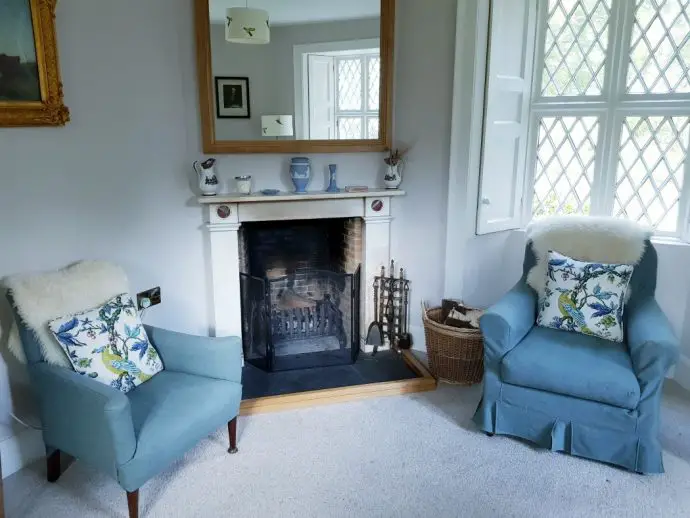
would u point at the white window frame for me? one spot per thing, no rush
(365, 113)
(611, 107)
(340, 50)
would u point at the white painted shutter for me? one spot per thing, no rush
(506, 120)
(321, 97)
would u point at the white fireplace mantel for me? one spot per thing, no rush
(225, 215)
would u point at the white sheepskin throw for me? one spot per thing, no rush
(42, 297)
(585, 238)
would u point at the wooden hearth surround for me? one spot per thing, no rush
(424, 383)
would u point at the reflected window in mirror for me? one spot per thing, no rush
(337, 89)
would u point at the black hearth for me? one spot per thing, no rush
(300, 304)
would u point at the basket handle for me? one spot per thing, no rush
(425, 309)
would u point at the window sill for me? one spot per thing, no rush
(662, 241)
(669, 241)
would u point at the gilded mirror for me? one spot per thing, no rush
(295, 76)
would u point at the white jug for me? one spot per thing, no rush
(208, 181)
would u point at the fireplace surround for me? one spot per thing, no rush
(230, 217)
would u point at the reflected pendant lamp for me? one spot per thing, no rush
(247, 25)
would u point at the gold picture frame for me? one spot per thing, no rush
(50, 110)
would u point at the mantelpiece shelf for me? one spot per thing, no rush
(288, 196)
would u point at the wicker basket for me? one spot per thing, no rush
(455, 355)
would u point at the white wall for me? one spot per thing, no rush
(270, 68)
(116, 182)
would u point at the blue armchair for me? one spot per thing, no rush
(135, 436)
(574, 393)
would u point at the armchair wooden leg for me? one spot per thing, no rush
(53, 465)
(232, 432)
(133, 503)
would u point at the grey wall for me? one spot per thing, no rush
(270, 68)
(117, 183)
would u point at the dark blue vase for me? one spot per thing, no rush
(333, 185)
(300, 172)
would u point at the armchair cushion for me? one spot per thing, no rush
(171, 413)
(109, 344)
(585, 297)
(572, 364)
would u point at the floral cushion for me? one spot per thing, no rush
(584, 297)
(109, 344)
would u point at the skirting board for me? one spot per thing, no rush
(682, 374)
(338, 395)
(20, 450)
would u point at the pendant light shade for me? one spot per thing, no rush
(246, 25)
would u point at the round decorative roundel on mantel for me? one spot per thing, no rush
(377, 205)
(223, 212)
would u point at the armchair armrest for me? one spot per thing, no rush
(507, 322)
(83, 417)
(652, 345)
(219, 358)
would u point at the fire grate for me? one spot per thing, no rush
(308, 319)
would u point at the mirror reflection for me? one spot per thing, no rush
(296, 69)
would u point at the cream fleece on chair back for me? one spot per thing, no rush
(42, 297)
(585, 238)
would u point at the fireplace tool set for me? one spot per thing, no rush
(391, 311)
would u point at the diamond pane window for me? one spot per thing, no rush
(565, 165)
(372, 127)
(349, 128)
(660, 48)
(650, 174)
(374, 83)
(575, 47)
(350, 84)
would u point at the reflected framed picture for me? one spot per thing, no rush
(232, 98)
(30, 87)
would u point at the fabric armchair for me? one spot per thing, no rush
(576, 393)
(506, 323)
(131, 436)
(653, 346)
(81, 415)
(219, 358)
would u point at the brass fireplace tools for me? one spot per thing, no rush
(391, 311)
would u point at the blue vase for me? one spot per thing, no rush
(300, 172)
(333, 185)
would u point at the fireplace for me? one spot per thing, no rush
(230, 217)
(300, 292)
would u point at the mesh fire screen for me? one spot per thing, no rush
(301, 293)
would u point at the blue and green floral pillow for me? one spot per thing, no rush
(109, 344)
(584, 297)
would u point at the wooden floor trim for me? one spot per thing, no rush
(424, 383)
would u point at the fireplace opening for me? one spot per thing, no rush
(300, 285)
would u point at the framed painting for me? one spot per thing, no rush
(30, 87)
(232, 98)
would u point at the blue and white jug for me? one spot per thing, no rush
(300, 172)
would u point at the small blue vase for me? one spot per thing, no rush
(333, 185)
(300, 172)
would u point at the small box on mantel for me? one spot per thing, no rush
(356, 188)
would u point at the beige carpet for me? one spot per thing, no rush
(408, 456)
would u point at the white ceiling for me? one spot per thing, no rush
(288, 12)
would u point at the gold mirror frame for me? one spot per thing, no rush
(50, 110)
(207, 102)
